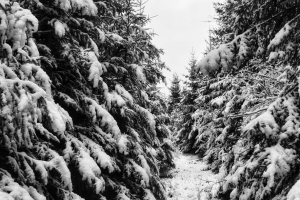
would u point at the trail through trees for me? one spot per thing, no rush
(191, 179)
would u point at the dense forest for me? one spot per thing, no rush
(81, 116)
(240, 113)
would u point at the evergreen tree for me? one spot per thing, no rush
(76, 83)
(174, 93)
(192, 78)
(187, 107)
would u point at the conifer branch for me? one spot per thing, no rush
(246, 114)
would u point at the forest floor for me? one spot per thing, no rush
(190, 179)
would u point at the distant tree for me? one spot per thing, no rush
(192, 78)
(187, 105)
(174, 93)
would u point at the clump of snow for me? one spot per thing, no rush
(87, 166)
(17, 24)
(149, 195)
(222, 137)
(86, 7)
(96, 70)
(122, 91)
(24, 99)
(4, 3)
(289, 126)
(219, 101)
(229, 105)
(215, 189)
(114, 99)
(40, 76)
(115, 37)
(279, 37)
(60, 27)
(34, 193)
(294, 193)
(273, 56)
(223, 56)
(104, 87)
(135, 135)
(33, 48)
(89, 170)
(139, 72)
(144, 95)
(267, 124)
(8, 49)
(133, 167)
(97, 152)
(278, 163)
(10, 190)
(101, 35)
(68, 151)
(233, 193)
(149, 116)
(152, 151)
(144, 164)
(100, 114)
(45, 132)
(63, 4)
(59, 163)
(59, 117)
(122, 144)
(247, 192)
(215, 59)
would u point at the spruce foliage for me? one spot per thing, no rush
(187, 107)
(79, 115)
(175, 90)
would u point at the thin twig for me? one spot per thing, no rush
(245, 114)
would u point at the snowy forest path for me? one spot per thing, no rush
(190, 179)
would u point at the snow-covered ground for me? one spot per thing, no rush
(190, 180)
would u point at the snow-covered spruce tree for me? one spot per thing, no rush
(187, 107)
(175, 90)
(75, 80)
(248, 109)
(158, 106)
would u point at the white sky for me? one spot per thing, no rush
(180, 30)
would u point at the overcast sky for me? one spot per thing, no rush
(180, 30)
